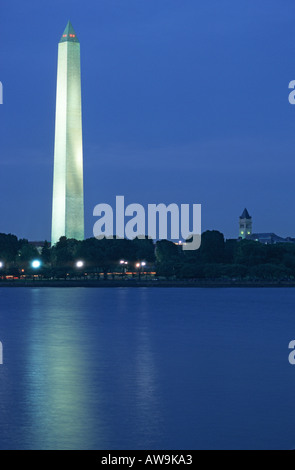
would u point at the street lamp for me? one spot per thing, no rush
(143, 265)
(79, 265)
(124, 266)
(1, 265)
(139, 267)
(36, 264)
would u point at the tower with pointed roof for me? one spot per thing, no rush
(68, 192)
(245, 225)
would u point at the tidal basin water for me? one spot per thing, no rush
(147, 368)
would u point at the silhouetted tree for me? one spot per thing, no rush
(46, 253)
(212, 248)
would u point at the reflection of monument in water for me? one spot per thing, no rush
(68, 195)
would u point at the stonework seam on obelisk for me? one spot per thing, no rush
(68, 192)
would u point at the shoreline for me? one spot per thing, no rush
(142, 283)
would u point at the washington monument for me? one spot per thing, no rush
(68, 197)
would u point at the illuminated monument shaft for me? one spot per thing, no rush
(68, 197)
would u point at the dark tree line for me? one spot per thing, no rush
(236, 259)
(98, 256)
(217, 258)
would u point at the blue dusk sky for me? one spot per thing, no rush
(183, 101)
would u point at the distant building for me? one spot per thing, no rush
(245, 231)
(38, 245)
(270, 238)
(245, 225)
(267, 238)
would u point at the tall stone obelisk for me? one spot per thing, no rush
(68, 193)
